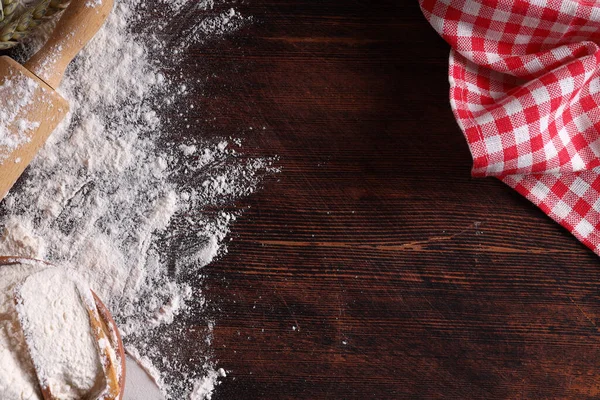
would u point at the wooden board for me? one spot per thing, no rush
(373, 266)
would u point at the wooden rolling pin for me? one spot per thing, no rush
(29, 121)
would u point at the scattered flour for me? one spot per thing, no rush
(93, 3)
(17, 94)
(204, 388)
(131, 210)
(214, 20)
(214, 25)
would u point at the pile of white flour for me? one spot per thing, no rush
(111, 196)
(56, 327)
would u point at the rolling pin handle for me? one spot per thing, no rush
(78, 24)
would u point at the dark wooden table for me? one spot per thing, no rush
(373, 266)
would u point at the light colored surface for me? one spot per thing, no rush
(139, 385)
(38, 304)
(29, 112)
(17, 373)
(57, 330)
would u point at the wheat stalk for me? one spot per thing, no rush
(17, 20)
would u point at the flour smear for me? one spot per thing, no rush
(135, 211)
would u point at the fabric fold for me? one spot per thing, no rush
(525, 90)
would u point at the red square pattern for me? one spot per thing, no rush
(525, 90)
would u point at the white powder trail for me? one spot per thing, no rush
(109, 197)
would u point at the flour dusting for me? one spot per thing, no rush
(135, 213)
(17, 94)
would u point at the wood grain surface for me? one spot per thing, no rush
(373, 266)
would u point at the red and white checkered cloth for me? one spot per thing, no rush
(525, 90)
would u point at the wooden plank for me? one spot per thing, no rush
(373, 266)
